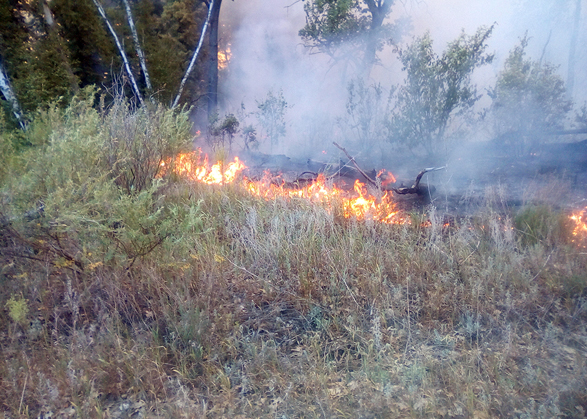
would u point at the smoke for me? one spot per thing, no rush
(267, 54)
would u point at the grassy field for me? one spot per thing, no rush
(124, 292)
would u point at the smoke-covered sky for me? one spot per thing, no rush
(267, 53)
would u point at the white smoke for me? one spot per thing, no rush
(267, 52)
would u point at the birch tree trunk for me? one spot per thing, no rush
(138, 48)
(121, 51)
(9, 95)
(194, 57)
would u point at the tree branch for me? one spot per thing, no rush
(351, 158)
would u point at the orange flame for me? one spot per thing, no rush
(359, 203)
(580, 228)
(224, 58)
(190, 166)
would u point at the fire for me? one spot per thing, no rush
(224, 58)
(580, 228)
(190, 166)
(358, 203)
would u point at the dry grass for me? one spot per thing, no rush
(206, 302)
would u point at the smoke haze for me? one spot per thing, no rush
(267, 53)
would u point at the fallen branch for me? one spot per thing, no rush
(414, 189)
(351, 158)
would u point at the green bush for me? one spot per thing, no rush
(541, 224)
(93, 193)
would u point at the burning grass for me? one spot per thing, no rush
(359, 203)
(186, 299)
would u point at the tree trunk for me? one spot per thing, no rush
(9, 95)
(213, 60)
(194, 57)
(133, 82)
(379, 10)
(138, 48)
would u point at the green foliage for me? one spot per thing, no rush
(529, 98)
(330, 23)
(351, 31)
(221, 130)
(91, 51)
(271, 116)
(138, 141)
(581, 117)
(540, 224)
(249, 135)
(367, 111)
(98, 181)
(18, 310)
(49, 60)
(437, 89)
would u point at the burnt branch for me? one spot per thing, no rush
(415, 188)
(351, 158)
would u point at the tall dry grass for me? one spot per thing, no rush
(175, 299)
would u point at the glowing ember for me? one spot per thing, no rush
(358, 203)
(580, 229)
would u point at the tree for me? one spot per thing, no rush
(271, 115)
(91, 51)
(36, 58)
(349, 31)
(529, 99)
(137, 44)
(437, 89)
(121, 51)
(573, 49)
(213, 55)
(9, 96)
(194, 57)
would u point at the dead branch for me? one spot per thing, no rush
(415, 188)
(351, 158)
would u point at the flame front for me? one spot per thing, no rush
(190, 166)
(580, 227)
(359, 203)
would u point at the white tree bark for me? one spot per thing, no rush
(9, 95)
(196, 52)
(138, 48)
(121, 51)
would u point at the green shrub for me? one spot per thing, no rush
(18, 310)
(541, 224)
